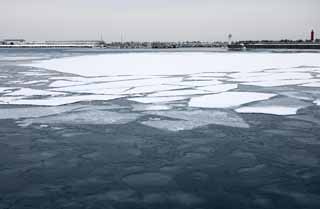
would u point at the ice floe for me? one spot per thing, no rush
(64, 83)
(56, 101)
(228, 99)
(313, 84)
(36, 82)
(187, 120)
(274, 110)
(5, 89)
(176, 63)
(219, 88)
(85, 117)
(179, 93)
(34, 92)
(276, 106)
(147, 100)
(34, 112)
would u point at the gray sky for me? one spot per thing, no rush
(148, 20)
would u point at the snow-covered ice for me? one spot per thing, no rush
(228, 99)
(187, 120)
(179, 93)
(274, 110)
(219, 88)
(176, 63)
(34, 92)
(56, 101)
(148, 100)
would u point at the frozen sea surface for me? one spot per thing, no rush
(159, 129)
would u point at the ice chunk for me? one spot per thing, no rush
(270, 76)
(151, 107)
(228, 99)
(56, 101)
(176, 63)
(200, 83)
(65, 83)
(121, 84)
(34, 112)
(147, 100)
(179, 93)
(313, 84)
(154, 88)
(34, 92)
(5, 89)
(219, 88)
(85, 117)
(36, 82)
(187, 120)
(274, 110)
(277, 83)
(276, 106)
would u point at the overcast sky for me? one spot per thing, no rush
(148, 20)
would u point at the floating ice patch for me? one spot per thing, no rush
(187, 120)
(85, 117)
(8, 100)
(179, 93)
(176, 63)
(151, 107)
(36, 82)
(17, 58)
(313, 84)
(211, 74)
(277, 83)
(276, 106)
(64, 83)
(120, 84)
(199, 83)
(219, 88)
(270, 76)
(56, 101)
(5, 89)
(148, 100)
(34, 73)
(274, 110)
(34, 92)
(317, 102)
(154, 88)
(228, 99)
(33, 112)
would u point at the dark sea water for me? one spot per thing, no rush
(100, 154)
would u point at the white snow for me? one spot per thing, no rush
(179, 93)
(5, 89)
(35, 82)
(147, 100)
(274, 83)
(153, 88)
(120, 84)
(56, 101)
(274, 110)
(176, 63)
(63, 83)
(33, 92)
(228, 99)
(200, 83)
(219, 88)
(313, 84)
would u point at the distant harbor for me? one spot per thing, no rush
(312, 43)
(21, 43)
